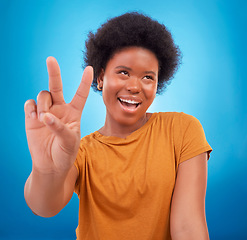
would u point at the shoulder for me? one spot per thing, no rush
(177, 118)
(88, 141)
(179, 124)
(174, 115)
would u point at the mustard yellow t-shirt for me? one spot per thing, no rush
(125, 186)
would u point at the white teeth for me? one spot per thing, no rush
(129, 101)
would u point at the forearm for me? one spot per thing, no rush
(191, 234)
(188, 219)
(45, 193)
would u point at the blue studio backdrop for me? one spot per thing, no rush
(210, 84)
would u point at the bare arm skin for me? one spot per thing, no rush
(188, 220)
(53, 134)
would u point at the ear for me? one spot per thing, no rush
(100, 78)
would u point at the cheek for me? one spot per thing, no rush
(112, 85)
(150, 90)
(110, 89)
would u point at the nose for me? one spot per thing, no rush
(133, 85)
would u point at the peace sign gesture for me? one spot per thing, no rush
(53, 126)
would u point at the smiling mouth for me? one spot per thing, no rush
(130, 104)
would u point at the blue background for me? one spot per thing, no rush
(211, 85)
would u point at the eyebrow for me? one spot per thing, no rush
(127, 68)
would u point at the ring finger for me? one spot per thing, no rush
(44, 102)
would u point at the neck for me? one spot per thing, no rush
(113, 128)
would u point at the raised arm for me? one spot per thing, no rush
(188, 221)
(53, 134)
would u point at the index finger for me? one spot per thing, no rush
(80, 98)
(55, 81)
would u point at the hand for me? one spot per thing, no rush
(52, 126)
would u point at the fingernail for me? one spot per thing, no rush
(41, 116)
(49, 119)
(33, 115)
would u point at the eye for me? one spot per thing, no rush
(148, 77)
(123, 72)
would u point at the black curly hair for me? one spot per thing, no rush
(133, 29)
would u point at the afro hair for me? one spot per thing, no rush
(133, 29)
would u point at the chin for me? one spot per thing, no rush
(128, 120)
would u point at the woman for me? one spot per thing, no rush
(142, 175)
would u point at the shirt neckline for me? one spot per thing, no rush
(129, 138)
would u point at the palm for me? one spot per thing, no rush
(54, 146)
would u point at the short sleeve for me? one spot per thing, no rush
(192, 137)
(80, 166)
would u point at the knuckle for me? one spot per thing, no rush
(82, 95)
(55, 74)
(29, 104)
(42, 94)
(56, 89)
(44, 100)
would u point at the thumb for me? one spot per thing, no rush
(60, 129)
(50, 121)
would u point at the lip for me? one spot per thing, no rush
(130, 98)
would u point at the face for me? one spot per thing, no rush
(129, 85)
